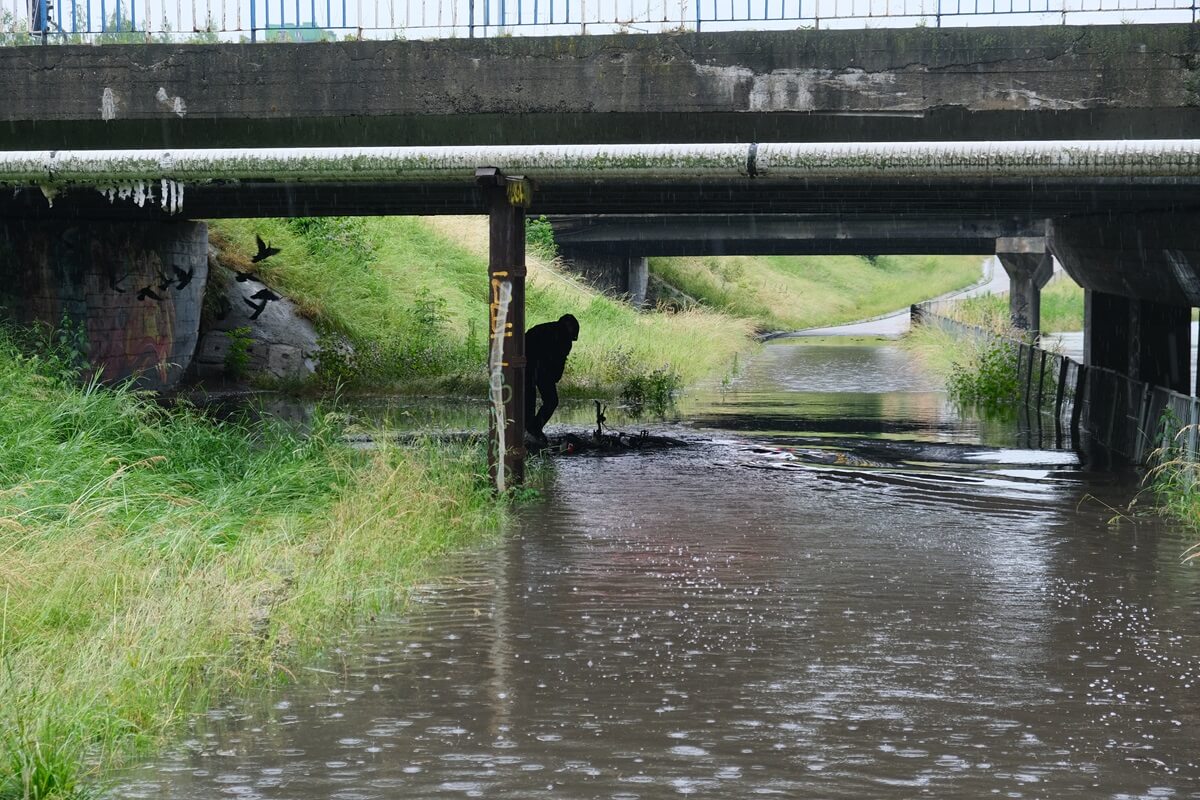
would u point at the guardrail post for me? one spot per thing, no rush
(939, 14)
(254, 21)
(471, 19)
(1058, 400)
(506, 197)
(1081, 380)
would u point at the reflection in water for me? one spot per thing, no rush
(794, 606)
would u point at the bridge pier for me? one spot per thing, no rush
(1147, 341)
(612, 273)
(507, 198)
(1141, 273)
(133, 289)
(1030, 266)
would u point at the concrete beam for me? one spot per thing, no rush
(1152, 255)
(929, 84)
(1029, 266)
(781, 234)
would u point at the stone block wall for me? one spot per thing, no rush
(92, 273)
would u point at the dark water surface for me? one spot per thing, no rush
(844, 589)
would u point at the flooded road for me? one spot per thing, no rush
(842, 589)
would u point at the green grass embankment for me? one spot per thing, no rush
(151, 559)
(410, 295)
(1061, 310)
(796, 292)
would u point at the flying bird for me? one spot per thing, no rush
(265, 251)
(148, 292)
(265, 296)
(184, 277)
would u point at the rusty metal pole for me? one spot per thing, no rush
(507, 198)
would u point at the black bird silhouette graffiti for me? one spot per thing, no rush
(265, 295)
(242, 277)
(184, 277)
(265, 251)
(148, 292)
(164, 281)
(112, 283)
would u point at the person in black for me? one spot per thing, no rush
(546, 349)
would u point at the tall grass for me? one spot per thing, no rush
(410, 295)
(151, 557)
(794, 292)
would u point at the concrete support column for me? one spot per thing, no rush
(1029, 266)
(612, 273)
(1161, 345)
(1145, 340)
(135, 289)
(507, 198)
(1106, 319)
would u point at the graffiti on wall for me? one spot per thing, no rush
(115, 282)
(498, 391)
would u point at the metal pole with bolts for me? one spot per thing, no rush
(506, 199)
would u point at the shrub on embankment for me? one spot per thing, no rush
(153, 557)
(977, 369)
(410, 296)
(796, 292)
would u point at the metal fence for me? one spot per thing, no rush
(1063, 398)
(116, 21)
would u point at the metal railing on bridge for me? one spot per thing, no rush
(1062, 398)
(128, 21)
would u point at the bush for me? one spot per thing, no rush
(237, 358)
(986, 372)
(654, 391)
(539, 237)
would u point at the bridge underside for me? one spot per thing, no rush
(782, 234)
(998, 199)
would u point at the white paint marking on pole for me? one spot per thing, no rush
(496, 385)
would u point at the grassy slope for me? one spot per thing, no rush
(794, 292)
(1062, 307)
(150, 558)
(443, 260)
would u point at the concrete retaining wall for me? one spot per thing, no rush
(91, 274)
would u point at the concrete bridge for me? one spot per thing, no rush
(977, 135)
(917, 84)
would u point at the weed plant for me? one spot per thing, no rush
(237, 357)
(986, 373)
(1175, 477)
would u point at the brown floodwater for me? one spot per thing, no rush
(844, 588)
